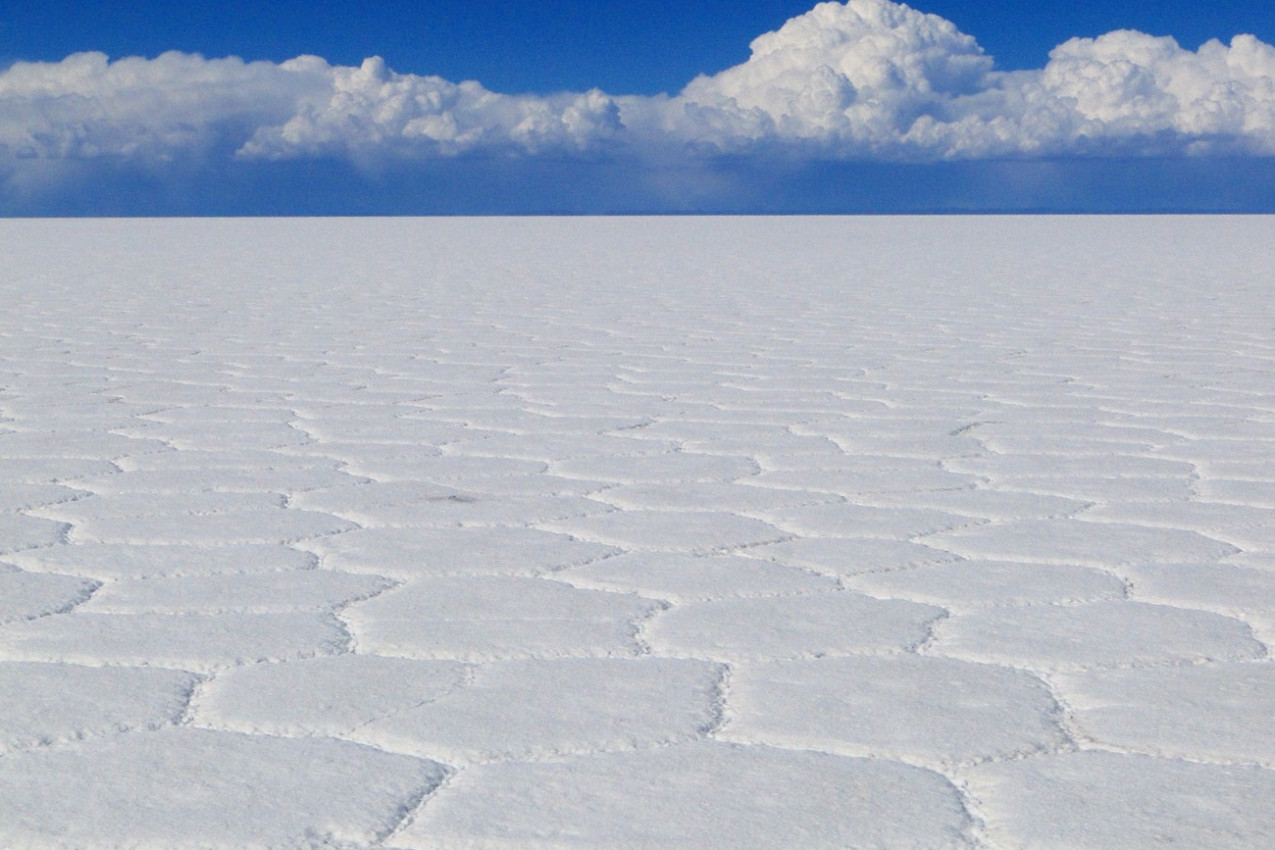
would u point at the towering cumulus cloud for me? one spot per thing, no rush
(875, 78)
(854, 77)
(862, 80)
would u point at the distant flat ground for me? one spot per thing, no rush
(428, 534)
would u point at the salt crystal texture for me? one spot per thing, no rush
(917, 533)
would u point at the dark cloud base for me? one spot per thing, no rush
(515, 186)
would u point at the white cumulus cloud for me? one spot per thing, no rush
(86, 106)
(855, 76)
(876, 78)
(868, 79)
(368, 110)
(1129, 84)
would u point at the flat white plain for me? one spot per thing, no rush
(637, 533)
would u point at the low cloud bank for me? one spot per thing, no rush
(867, 80)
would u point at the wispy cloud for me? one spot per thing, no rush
(864, 80)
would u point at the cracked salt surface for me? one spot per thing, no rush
(702, 794)
(649, 533)
(469, 551)
(195, 788)
(144, 560)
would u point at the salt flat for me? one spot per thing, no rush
(637, 533)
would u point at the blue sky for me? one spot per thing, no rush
(828, 120)
(620, 46)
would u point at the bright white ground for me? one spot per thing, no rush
(667, 533)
